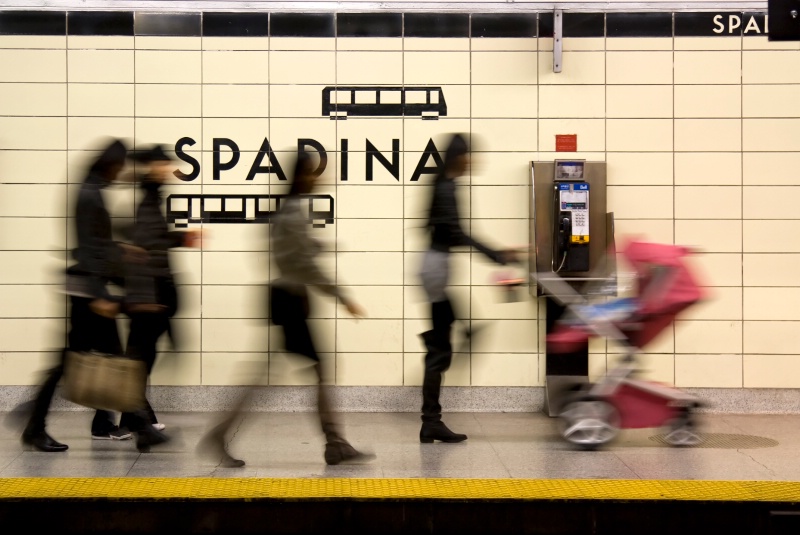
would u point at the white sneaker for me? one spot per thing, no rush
(159, 426)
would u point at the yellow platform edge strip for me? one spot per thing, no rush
(393, 489)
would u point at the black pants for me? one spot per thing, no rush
(145, 330)
(88, 331)
(437, 359)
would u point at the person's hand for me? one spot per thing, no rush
(105, 308)
(193, 238)
(354, 310)
(133, 254)
(509, 256)
(150, 308)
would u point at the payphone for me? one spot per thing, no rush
(571, 226)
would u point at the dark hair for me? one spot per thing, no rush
(112, 156)
(457, 147)
(302, 169)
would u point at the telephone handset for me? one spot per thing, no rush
(571, 229)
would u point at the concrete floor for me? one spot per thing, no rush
(500, 445)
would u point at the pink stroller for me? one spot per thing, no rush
(591, 415)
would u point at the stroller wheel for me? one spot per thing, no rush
(682, 433)
(589, 423)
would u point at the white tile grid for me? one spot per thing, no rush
(748, 75)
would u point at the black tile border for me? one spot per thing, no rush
(504, 24)
(436, 24)
(302, 25)
(100, 23)
(216, 24)
(33, 23)
(369, 25)
(647, 24)
(379, 24)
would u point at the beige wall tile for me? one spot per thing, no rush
(639, 67)
(435, 43)
(33, 233)
(639, 43)
(101, 100)
(460, 268)
(369, 268)
(651, 367)
(708, 135)
(583, 43)
(639, 135)
(230, 369)
(500, 202)
(717, 304)
(762, 236)
(771, 371)
(167, 100)
(695, 101)
(177, 369)
(640, 202)
(33, 99)
(504, 135)
(234, 335)
(639, 168)
(638, 101)
(500, 168)
(42, 133)
(235, 43)
(710, 236)
(760, 202)
(770, 304)
(505, 370)
(189, 297)
(708, 168)
(108, 42)
(110, 66)
(771, 134)
(301, 43)
(504, 101)
(591, 135)
(285, 132)
(378, 130)
(504, 68)
(770, 101)
(33, 301)
(417, 133)
(319, 67)
(757, 168)
(369, 234)
(770, 67)
(502, 233)
(577, 68)
(168, 67)
(708, 67)
(30, 335)
(235, 100)
(295, 100)
(717, 269)
(190, 333)
(33, 65)
(763, 269)
(233, 268)
(715, 337)
(707, 43)
(771, 337)
(500, 43)
(287, 369)
(656, 230)
(367, 369)
(33, 41)
(708, 371)
(247, 133)
(369, 43)
(26, 368)
(507, 336)
(380, 302)
(708, 202)
(231, 301)
(33, 200)
(170, 130)
(369, 68)
(426, 68)
(489, 303)
(369, 201)
(235, 67)
(369, 335)
(415, 303)
(586, 101)
(157, 42)
(33, 166)
(763, 43)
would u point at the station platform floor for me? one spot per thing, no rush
(514, 474)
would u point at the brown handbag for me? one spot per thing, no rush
(102, 381)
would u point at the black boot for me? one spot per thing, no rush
(147, 437)
(43, 442)
(341, 452)
(213, 445)
(438, 431)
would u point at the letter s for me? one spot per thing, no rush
(186, 158)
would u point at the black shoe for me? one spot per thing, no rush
(43, 442)
(149, 437)
(344, 453)
(213, 444)
(438, 431)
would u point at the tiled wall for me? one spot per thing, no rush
(696, 115)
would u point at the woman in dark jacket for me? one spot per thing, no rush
(444, 225)
(151, 296)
